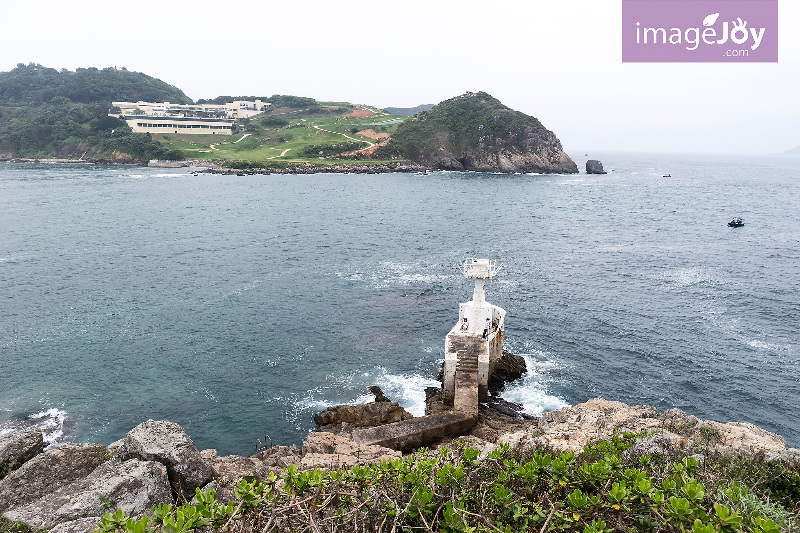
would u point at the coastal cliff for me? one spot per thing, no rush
(67, 488)
(476, 132)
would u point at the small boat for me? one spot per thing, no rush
(736, 222)
(667, 176)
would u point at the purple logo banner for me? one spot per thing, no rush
(718, 31)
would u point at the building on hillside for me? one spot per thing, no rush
(238, 109)
(182, 125)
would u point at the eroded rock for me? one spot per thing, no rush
(322, 449)
(49, 471)
(366, 415)
(20, 446)
(571, 428)
(167, 443)
(133, 486)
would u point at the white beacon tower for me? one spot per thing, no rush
(475, 343)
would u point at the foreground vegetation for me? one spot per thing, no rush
(605, 488)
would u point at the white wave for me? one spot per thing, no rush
(406, 389)
(392, 273)
(531, 390)
(51, 422)
(762, 345)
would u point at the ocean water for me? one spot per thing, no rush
(238, 306)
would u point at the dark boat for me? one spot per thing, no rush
(667, 176)
(736, 222)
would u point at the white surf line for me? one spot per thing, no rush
(243, 136)
(371, 144)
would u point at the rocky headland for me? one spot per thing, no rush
(476, 132)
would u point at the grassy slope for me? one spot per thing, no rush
(268, 141)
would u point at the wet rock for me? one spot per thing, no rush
(167, 443)
(593, 166)
(133, 486)
(47, 472)
(20, 446)
(367, 415)
(508, 368)
(379, 395)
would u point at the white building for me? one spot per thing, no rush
(181, 125)
(475, 343)
(233, 110)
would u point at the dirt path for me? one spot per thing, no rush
(371, 144)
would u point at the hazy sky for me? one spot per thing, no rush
(558, 60)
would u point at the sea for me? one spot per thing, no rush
(239, 306)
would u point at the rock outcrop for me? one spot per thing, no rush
(475, 131)
(509, 367)
(571, 428)
(167, 443)
(593, 166)
(133, 486)
(19, 447)
(366, 415)
(49, 471)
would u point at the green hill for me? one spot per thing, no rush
(47, 113)
(34, 84)
(475, 131)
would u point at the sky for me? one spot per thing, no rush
(557, 60)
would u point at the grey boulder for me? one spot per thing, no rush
(167, 443)
(49, 471)
(20, 446)
(133, 486)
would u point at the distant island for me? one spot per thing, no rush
(793, 151)
(113, 115)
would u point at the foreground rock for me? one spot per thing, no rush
(133, 486)
(571, 428)
(19, 447)
(47, 472)
(167, 443)
(593, 166)
(324, 449)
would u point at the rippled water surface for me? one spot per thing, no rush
(239, 306)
